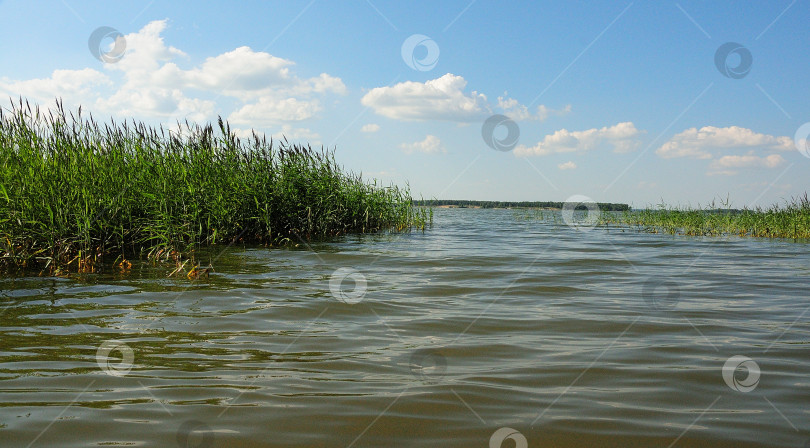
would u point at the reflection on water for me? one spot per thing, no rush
(491, 327)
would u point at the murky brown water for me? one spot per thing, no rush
(571, 338)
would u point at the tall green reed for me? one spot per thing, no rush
(790, 220)
(76, 190)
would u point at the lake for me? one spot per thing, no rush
(491, 329)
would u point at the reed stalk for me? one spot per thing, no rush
(74, 191)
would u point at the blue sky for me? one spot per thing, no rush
(616, 101)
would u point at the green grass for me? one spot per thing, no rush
(74, 191)
(792, 220)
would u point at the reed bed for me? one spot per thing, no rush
(74, 191)
(792, 220)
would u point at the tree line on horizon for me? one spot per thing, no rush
(604, 206)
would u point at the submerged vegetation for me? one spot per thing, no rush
(789, 221)
(73, 191)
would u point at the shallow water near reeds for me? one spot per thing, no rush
(490, 319)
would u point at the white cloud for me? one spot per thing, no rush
(238, 72)
(245, 134)
(246, 74)
(267, 111)
(747, 161)
(156, 102)
(371, 127)
(444, 99)
(148, 83)
(700, 143)
(149, 90)
(438, 99)
(518, 112)
(513, 109)
(298, 134)
(145, 51)
(567, 166)
(709, 142)
(71, 84)
(623, 137)
(323, 84)
(430, 145)
(543, 112)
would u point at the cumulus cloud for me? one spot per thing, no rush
(748, 161)
(567, 166)
(151, 87)
(371, 127)
(269, 110)
(430, 145)
(519, 112)
(322, 84)
(73, 83)
(291, 133)
(544, 112)
(445, 99)
(709, 142)
(438, 99)
(148, 83)
(237, 72)
(726, 165)
(623, 137)
(155, 103)
(700, 143)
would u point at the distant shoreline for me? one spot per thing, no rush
(478, 206)
(541, 205)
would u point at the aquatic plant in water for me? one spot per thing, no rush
(791, 220)
(74, 191)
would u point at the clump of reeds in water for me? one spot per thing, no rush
(792, 220)
(73, 191)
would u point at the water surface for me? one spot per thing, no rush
(491, 319)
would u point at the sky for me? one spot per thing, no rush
(638, 102)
